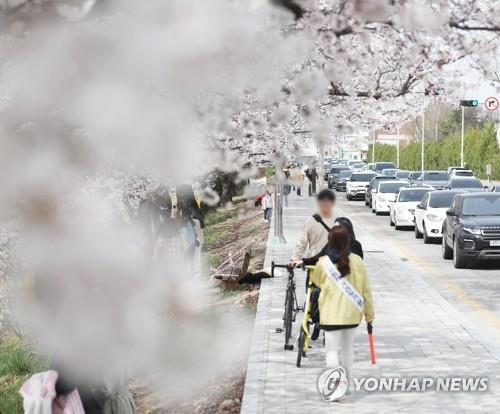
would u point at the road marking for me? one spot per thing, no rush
(452, 286)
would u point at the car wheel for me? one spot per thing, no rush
(459, 259)
(446, 252)
(391, 221)
(418, 235)
(349, 198)
(427, 239)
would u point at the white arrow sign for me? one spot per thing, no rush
(491, 103)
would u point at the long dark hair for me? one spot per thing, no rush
(344, 221)
(339, 241)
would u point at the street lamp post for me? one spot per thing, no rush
(462, 138)
(373, 146)
(397, 154)
(423, 139)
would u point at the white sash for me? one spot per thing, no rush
(343, 284)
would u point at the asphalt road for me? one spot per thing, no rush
(474, 292)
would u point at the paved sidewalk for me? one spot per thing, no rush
(417, 333)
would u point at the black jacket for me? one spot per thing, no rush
(356, 248)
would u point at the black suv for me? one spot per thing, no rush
(334, 174)
(471, 229)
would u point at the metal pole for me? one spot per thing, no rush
(397, 158)
(278, 204)
(373, 145)
(423, 139)
(462, 140)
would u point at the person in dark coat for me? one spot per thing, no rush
(356, 246)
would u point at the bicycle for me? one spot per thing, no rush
(291, 304)
(303, 339)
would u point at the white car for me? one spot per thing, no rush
(357, 183)
(430, 214)
(386, 194)
(461, 173)
(403, 209)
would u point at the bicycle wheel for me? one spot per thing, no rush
(300, 347)
(288, 318)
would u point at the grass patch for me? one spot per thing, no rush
(212, 235)
(17, 363)
(219, 216)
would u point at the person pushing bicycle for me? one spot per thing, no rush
(315, 233)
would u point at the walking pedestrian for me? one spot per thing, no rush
(193, 217)
(315, 233)
(355, 247)
(287, 189)
(345, 297)
(267, 206)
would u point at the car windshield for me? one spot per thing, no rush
(379, 166)
(412, 194)
(441, 199)
(459, 173)
(466, 184)
(481, 206)
(390, 187)
(403, 174)
(362, 177)
(389, 172)
(436, 176)
(336, 170)
(344, 174)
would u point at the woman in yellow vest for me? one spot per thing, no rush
(345, 297)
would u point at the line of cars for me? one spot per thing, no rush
(451, 206)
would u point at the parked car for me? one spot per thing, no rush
(461, 173)
(334, 173)
(403, 175)
(389, 172)
(372, 188)
(379, 166)
(414, 176)
(471, 230)
(430, 214)
(468, 184)
(436, 179)
(386, 194)
(402, 211)
(357, 166)
(344, 175)
(357, 184)
(451, 169)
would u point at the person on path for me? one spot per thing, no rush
(315, 233)
(287, 189)
(355, 247)
(194, 223)
(345, 297)
(267, 206)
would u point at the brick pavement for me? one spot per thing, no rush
(417, 332)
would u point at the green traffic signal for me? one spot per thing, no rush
(471, 102)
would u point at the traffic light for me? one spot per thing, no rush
(472, 102)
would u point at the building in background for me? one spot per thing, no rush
(352, 146)
(406, 133)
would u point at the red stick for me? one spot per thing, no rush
(372, 348)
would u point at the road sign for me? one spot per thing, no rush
(488, 169)
(491, 103)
